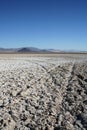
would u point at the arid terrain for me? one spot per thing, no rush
(43, 91)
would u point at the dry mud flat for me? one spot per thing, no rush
(43, 93)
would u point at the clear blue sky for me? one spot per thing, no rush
(58, 24)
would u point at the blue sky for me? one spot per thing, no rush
(58, 24)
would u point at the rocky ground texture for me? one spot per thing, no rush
(43, 93)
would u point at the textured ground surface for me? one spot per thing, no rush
(43, 92)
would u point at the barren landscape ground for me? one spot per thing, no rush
(43, 91)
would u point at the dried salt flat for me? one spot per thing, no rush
(43, 93)
(32, 62)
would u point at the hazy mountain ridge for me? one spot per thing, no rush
(34, 49)
(27, 49)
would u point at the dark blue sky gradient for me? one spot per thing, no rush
(58, 24)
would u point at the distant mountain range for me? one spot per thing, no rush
(36, 50)
(27, 49)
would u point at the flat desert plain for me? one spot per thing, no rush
(43, 91)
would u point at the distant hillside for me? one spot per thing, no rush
(32, 49)
(36, 50)
(29, 49)
(26, 50)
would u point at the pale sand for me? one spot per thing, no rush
(43, 92)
